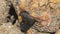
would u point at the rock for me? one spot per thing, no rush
(38, 8)
(47, 12)
(4, 9)
(8, 28)
(58, 32)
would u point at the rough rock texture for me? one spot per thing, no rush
(8, 28)
(48, 12)
(4, 9)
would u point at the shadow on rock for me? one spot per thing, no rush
(27, 21)
(12, 12)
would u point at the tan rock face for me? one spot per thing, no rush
(36, 8)
(58, 32)
(47, 12)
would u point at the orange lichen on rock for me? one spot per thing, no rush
(45, 19)
(55, 1)
(58, 32)
(22, 4)
(19, 18)
(58, 11)
(44, 16)
(33, 14)
(29, 31)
